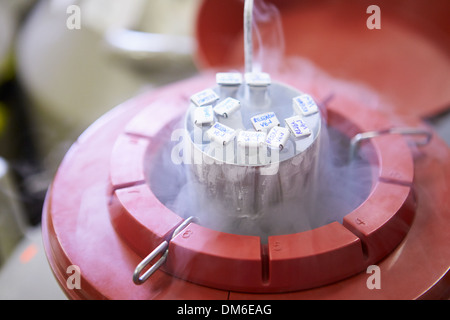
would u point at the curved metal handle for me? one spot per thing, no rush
(137, 278)
(356, 140)
(162, 248)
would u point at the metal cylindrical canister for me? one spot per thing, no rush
(247, 163)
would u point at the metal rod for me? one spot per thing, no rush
(163, 249)
(140, 279)
(356, 140)
(248, 41)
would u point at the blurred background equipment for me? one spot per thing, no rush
(72, 77)
(54, 82)
(12, 223)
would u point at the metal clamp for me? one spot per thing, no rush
(162, 248)
(356, 140)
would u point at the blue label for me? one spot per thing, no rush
(265, 121)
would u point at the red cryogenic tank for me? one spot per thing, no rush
(147, 211)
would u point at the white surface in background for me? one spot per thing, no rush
(27, 275)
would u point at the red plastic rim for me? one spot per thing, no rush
(108, 236)
(367, 234)
(101, 214)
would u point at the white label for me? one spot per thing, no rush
(265, 121)
(251, 138)
(203, 115)
(220, 133)
(305, 105)
(277, 137)
(257, 79)
(227, 107)
(228, 78)
(204, 97)
(297, 127)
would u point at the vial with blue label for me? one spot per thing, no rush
(228, 113)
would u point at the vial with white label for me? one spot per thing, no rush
(258, 90)
(229, 83)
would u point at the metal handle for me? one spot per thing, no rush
(356, 140)
(137, 278)
(162, 248)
